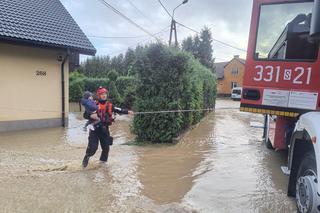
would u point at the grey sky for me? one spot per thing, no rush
(229, 21)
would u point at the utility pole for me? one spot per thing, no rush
(173, 29)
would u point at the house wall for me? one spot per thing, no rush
(29, 100)
(224, 85)
(220, 86)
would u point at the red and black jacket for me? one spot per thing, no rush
(105, 112)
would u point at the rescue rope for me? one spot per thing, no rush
(183, 110)
(135, 113)
(171, 111)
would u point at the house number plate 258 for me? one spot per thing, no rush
(41, 73)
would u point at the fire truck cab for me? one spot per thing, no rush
(282, 81)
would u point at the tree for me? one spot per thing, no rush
(96, 66)
(187, 44)
(114, 94)
(129, 60)
(201, 47)
(195, 49)
(117, 64)
(113, 75)
(205, 48)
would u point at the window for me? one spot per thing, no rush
(234, 71)
(236, 91)
(283, 32)
(234, 84)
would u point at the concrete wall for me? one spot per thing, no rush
(224, 85)
(29, 100)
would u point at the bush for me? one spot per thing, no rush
(92, 84)
(79, 83)
(113, 75)
(169, 79)
(76, 88)
(75, 76)
(114, 94)
(126, 86)
(200, 91)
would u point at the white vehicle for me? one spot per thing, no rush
(236, 93)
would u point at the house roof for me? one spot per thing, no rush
(219, 67)
(243, 61)
(44, 23)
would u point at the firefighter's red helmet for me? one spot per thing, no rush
(101, 90)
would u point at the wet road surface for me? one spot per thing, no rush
(219, 166)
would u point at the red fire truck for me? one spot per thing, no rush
(282, 81)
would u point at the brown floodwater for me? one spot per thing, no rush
(220, 165)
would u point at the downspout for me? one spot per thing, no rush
(63, 95)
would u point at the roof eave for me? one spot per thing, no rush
(34, 43)
(232, 60)
(84, 52)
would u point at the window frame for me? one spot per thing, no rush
(237, 70)
(257, 31)
(234, 84)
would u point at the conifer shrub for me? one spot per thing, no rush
(170, 79)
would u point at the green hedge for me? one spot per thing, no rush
(169, 79)
(79, 84)
(114, 94)
(76, 88)
(92, 84)
(76, 76)
(126, 86)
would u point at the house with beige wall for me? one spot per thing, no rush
(229, 75)
(37, 40)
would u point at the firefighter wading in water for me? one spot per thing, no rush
(102, 134)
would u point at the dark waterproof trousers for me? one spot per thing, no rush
(101, 135)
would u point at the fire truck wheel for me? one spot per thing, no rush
(268, 143)
(306, 185)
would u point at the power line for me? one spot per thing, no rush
(135, 44)
(189, 28)
(216, 40)
(134, 6)
(124, 49)
(153, 35)
(127, 18)
(165, 8)
(127, 37)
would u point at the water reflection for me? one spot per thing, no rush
(219, 166)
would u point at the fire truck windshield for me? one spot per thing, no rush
(283, 32)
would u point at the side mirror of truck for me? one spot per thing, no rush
(315, 20)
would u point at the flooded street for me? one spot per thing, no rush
(219, 166)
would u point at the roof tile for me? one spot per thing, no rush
(42, 21)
